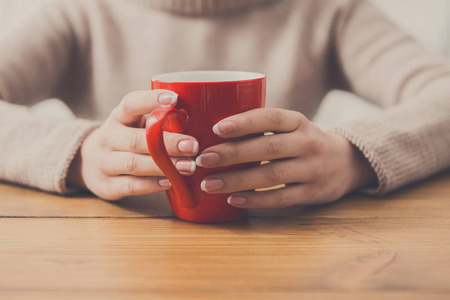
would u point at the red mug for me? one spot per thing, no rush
(204, 98)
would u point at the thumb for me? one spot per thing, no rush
(136, 104)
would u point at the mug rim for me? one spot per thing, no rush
(221, 75)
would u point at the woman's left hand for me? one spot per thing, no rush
(315, 166)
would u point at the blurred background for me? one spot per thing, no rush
(426, 20)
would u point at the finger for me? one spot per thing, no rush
(123, 186)
(263, 176)
(126, 163)
(299, 194)
(134, 140)
(268, 147)
(139, 103)
(260, 120)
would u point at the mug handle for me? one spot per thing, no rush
(173, 120)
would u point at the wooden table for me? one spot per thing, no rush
(397, 247)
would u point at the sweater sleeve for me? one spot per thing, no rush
(35, 151)
(381, 63)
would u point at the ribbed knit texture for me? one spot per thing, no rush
(197, 7)
(38, 152)
(91, 53)
(397, 156)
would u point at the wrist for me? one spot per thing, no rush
(360, 172)
(364, 175)
(74, 175)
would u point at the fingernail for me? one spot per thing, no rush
(168, 98)
(164, 182)
(236, 200)
(188, 146)
(224, 127)
(211, 185)
(185, 166)
(207, 159)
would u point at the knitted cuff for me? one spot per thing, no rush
(405, 144)
(72, 136)
(37, 151)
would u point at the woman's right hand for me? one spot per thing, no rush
(113, 161)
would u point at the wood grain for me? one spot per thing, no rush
(412, 201)
(163, 256)
(229, 295)
(357, 248)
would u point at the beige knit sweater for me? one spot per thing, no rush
(90, 53)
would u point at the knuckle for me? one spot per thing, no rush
(317, 193)
(301, 120)
(314, 194)
(171, 141)
(103, 162)
(283, 200)
(130, 164)
(244, 120)
(112, 196)
(274, 146)
(150, 186)
(129, 188)
(126, 102)
(315, 145)
(274, 174)
(104, 141)
(231, 152)
(133, 141)
(275, 117)
(234, 182)
(107, 190)
(115, 113)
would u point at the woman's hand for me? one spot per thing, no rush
(113, 161)
(315, 166)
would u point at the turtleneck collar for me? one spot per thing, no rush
(201, 7)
